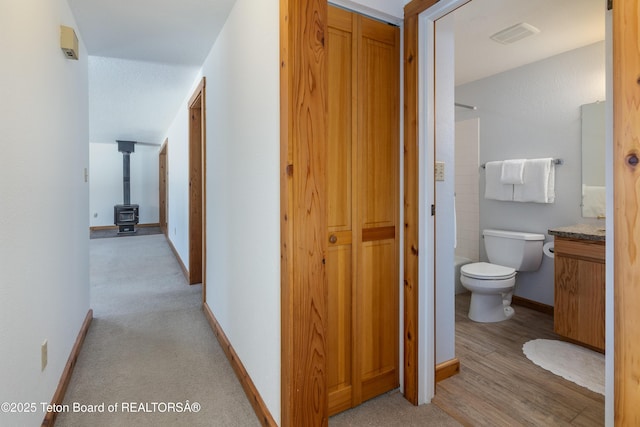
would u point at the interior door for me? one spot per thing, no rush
(363, 209)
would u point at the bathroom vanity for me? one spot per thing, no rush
(579, 297)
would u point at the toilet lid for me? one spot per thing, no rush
(484, 270)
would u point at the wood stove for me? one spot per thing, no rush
(126, 215)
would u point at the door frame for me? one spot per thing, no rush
(624, 230)
(623, 264)
(197, 186)
(163, 193)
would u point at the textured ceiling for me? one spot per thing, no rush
(144, 56)
(166, 31)
(133, 100)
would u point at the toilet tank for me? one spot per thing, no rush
(515, 249)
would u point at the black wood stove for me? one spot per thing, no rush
(126, 215)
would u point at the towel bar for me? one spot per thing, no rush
(555, 162)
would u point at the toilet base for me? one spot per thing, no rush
(487, 308)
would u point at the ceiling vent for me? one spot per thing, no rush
(515, 33)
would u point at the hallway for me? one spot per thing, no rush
(149, 342)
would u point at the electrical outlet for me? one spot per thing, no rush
(439, 171)
(44, 354)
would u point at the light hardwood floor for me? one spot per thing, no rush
(498, 386)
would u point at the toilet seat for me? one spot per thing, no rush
(487, 271)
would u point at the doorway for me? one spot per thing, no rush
(197, 173)
(426, 105)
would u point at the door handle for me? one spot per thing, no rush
(333, 238)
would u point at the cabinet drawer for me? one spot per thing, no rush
(580, 249)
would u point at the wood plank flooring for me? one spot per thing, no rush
(499, 386)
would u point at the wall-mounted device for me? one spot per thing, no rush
(68, 42)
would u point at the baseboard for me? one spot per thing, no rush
(261, 410)
(58, 397)
(447, 369)
(533, 305)
(151, 224)
(177, 255)
(115, 227)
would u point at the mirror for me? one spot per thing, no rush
(593, 154)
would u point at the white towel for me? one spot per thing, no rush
(594, 201)
(513, 171)
(539, 182)
(493, 188)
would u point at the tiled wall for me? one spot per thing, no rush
(467, 189)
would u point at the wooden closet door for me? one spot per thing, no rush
(378, 132)
(363, 198)
(341, 210)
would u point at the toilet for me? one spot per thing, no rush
(492, 283)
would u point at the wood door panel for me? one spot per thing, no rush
(377, 302)
(339, 342)
(378, 128)
(339, 324)
(339, 169)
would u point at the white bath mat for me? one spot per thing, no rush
(572, 362)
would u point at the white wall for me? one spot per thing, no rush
(44, 265)
(243, 188)
(534, 111)
(445, 152)
(178, 184)
(105, 182)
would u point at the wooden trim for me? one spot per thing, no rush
(197, 177)
(626, 195)
(115, 227)
(260, 408)
(153, 224)
(411, 195)
(103, 227)
(183, 267)
(58, 397)
(533, 305)
(411, 209)
(197, 92)
(163, 189)
(303, 223)
(447, 369)
(416, 7)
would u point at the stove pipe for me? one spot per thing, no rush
(126, 148)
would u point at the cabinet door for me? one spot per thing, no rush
(580, 292)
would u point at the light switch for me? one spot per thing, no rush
(439, 171)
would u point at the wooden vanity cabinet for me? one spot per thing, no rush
(579, 300)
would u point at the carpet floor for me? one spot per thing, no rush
(149, 346)
(393, 410)
(150, 343)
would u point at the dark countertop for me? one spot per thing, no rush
(580, 231)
